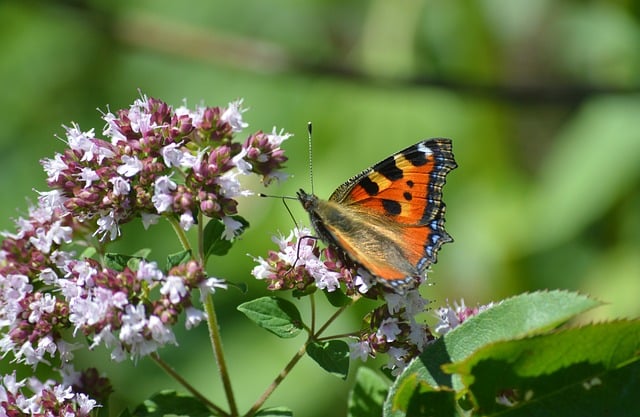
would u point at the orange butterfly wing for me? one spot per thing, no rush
(390, 218)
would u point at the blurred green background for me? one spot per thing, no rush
(541, 98)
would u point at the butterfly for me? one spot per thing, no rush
(389, 219)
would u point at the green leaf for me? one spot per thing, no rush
(275, 412)
(116, 261)
(337, 298)
(417, 398)
(513, 318)
(240, 286)
(178, 258)
(332, 356)
(583, 364)
(142, 253)
(88, 252)
(214, 242)
(274, 314)
(368, 394)
(169, 402)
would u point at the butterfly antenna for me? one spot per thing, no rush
(310, 131)
(295, 223)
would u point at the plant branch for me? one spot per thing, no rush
(171, 372)
(182, 236)
(216, 344)
(281, 376)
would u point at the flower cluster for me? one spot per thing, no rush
(35, 398)
(299, 264)
(392, 329)
(154, 161)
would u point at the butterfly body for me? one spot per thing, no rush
(389, 219)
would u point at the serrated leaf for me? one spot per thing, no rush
(277, 315)
(368, 394)
(169, 402)
(274, 412)
(178, 258)
(545, 368)
(513, 318)
(332, 356)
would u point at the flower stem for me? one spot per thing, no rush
(281, 376)
(330, 320)
(171, 372)
(182, 236)
(216, 343)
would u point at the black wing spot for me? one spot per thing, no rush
(389, 169)
(392, 207)
(407, 196)
(415, 156)
(369, 186)
(410, 183)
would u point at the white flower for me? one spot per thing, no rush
(43, 305)
(77, 139)
(11, 384)
(85, 404)
(209, 285)
(111, 129)
(54, 167)
(233, 116)
(174, 288)
(364, 281)
(107, 225)
(48, 276)
(231, 227)
(160, 332)
(51, 200)
(194, 317)
(130, 167)
(360, 350)
(324, 278)
(120, 186)
(388, 329)
(242, 164)
(62, 393)
(230, 185)
(139, 116)
(262, 270)
(162, 198)
(186, 220)
(88, 176)
(149, 271)
(172, 155)
(276, 138)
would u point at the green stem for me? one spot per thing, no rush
(337, 336)
(171, 372)
(216, 344)
(312, 301)
(182, 236)
(330, 320)
(281, 376)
